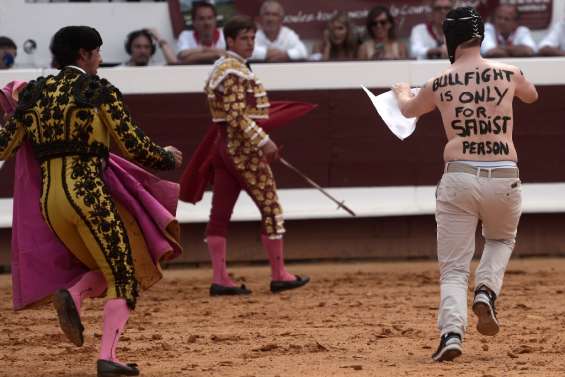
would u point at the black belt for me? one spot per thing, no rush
(57, 149)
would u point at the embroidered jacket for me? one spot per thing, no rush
(76, 114)
(237, 97)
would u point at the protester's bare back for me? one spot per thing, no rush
(475, 99)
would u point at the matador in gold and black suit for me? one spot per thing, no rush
(69, 120)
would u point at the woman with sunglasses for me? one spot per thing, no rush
(382, 43)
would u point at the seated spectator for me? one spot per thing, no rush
(426, 40)
(382, 43)
(506, 37)
(340, 40)
(141, 45)
(273, 41)
(553, 44)
(204, 44)
(8, 53)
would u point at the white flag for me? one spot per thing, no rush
(387, 107)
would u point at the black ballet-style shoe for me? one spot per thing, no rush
(107, 368)
(69, 319)
(281, 285)
(221, 290)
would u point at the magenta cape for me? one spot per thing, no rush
(41, 264)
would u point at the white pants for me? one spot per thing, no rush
(462, 200)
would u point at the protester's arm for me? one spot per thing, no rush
(525, 90)
(414, 105)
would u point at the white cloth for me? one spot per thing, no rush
(555, 37)
(1, 163)
(522, 36)
(187, 41)
(421, 41)
(387, 107)
(287, 40)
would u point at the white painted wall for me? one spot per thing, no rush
(298, 76)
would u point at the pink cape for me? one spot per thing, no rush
(41, 264)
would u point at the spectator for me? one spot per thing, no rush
(340, 40)
(506, 37)
(8, 52)
(206, 42)
(382, 43)
(141, 46)
(426, 40)
(273, 41)
(553, 44)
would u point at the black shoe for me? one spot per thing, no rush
(107, 368)
(69, 319)
(484, 308)
(221, 290)
(281, 285)
(449, 347)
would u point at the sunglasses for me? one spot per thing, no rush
(380, 23)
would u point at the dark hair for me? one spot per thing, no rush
(67, 42)
(201, 4)
(236, 24)
(379, 9)
(7, 42)
(139, 33)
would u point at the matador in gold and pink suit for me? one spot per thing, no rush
(238, 102)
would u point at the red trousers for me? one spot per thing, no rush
(252, 174)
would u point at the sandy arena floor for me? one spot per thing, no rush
(360, 319)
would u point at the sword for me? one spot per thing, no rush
(317, 186)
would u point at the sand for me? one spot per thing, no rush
(354, 319)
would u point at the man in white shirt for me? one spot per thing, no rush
(553, 44)
(505, 38)
(273, 41)
(426, 39)
(205, 43)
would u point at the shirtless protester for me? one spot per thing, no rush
(480, 180)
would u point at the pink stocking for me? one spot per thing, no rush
(217, 250)
(274, 248)
(91, 284)
(116, 315)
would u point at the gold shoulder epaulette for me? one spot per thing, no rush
(92, 91)
(228, 66)
(31, 93)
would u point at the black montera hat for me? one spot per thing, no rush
(460, 25)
